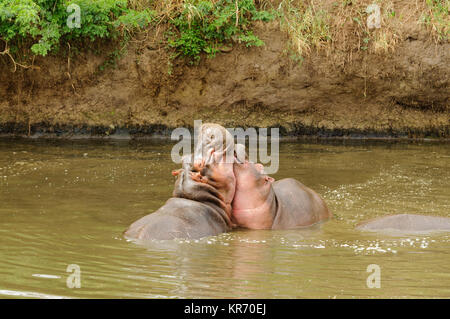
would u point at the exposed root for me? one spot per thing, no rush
(6, 52)
(68, 71)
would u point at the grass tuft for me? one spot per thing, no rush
(436, 19)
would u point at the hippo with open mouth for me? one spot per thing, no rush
(258, 202)
(196, 210)
(213, 196)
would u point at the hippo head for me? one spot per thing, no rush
(189, 188)
(213, 144)
(254, 197)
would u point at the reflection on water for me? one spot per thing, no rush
(67, 202)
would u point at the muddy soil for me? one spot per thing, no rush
(403, 93)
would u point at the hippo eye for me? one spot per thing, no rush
(212, 136)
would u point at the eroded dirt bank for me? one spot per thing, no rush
(403, 93)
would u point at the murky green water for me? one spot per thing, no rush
(68, 202)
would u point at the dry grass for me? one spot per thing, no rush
(165, 9)
(352, 33)
(306, 24)
(341, 26)
(140, 4)
(435, 17)
(337, 25)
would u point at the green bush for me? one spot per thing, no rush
(204, 26)
(195, 27)
(44, 22)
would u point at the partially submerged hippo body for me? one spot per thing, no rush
(262, 203)
(298, 205)
(406, 223)
(196, 210)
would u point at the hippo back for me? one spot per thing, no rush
(179, 218)
(298, 205)
(406, 223)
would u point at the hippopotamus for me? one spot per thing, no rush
(196, 210)
(406, 223)
(260, 202)
(213, 160)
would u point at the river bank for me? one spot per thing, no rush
(45, 131)
(336, 90)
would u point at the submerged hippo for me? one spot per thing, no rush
(406, 223)
(262, 203)
(196, 210)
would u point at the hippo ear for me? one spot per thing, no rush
(269, 179)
